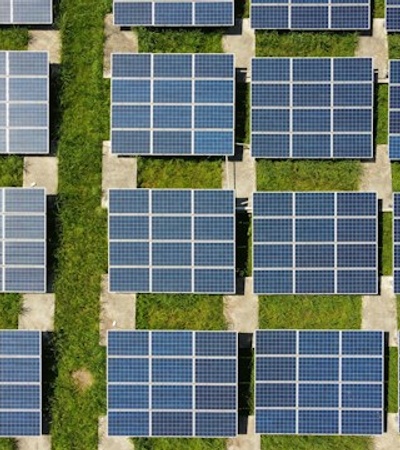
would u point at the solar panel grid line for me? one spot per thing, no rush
(396, 242)
(394, 110)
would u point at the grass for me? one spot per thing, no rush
(179, 173)
(312, 311)
(381, 112)
(379, 9)
(396, 176)
(393, 380)
(305, 44)
(179, 444)
(301, 175)
(394, 45)
(14, 39)
(385, 244)
(315, 442)
(82, 252)
(179, 311)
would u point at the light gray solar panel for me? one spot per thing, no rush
(20, 383)
(24, 102)
(26, 12)
(23, 240)
(172, 241)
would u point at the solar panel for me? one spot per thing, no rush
(315, 243)
(172, 104)
(174, 13)
(180, 241)
(20, 383)
(319, 382)
(396, 242)
(172, 383)
(392, 15)
(24, 102)
(310, 14)
(23, 240)
(394, 110)
(20, 12)
(312, 108)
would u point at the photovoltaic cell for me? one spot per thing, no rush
(172, 383)
(20, 383)
(319, 382)
(24, 102)
(174, 13)
(315, 243)
(396, 242)
(312, 108)
(310, 14)
(392, 15)
(172, 241)
(394, 110)
(24, 12)
(172, 104)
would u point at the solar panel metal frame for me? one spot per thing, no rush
(310, 4)
(193, 104)
(12, 21)
(192, 241)
(3, 240)
(153, 4)
(39, 384)
(340, 382)
(395, 87)
(294, 243)
(8, 103)
(331, 109)
(193, 357)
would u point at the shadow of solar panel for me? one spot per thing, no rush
(319, 382)
(312, 108)
(315, 243)
(172, 383)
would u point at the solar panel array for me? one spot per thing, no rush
(172, 383)
(24, 102)
(173, 104)
(172, 241)
(172, 13)
(315, 243)
(396, 242)
(20, 383)
(319, 382)
(394, 110)
(392, 15)
(23, 240)
(311, 14)
(20, 12)
(312, 108)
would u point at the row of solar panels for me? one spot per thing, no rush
(185, 383)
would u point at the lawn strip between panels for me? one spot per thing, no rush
(82, 254)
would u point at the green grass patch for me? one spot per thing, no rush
(385, 244)
(179, 312)
(393, 380)
(305, 44)
(396, 176)
(379, 9)
(302, 175)
(8, 444)
(165, 40)
(394, 45)
(179, 444)
(315, 442)
(381, 114)
(11, 171)
(179, 173)
(14, 39)
(311, 311)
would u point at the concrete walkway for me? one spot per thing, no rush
(117, 172)
(249, 441)
(116, 41)
(46, 40)
(111, 443)
(117, 311)
(241, 41)
(41, 171)
(34, 443)
(37, 312)
(376, 46)
(377, 177)
(391, 439)
(379, 312)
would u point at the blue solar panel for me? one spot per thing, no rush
(172, 241)
(392, 15)
(394, 110)
(20, 383)
(23, 234)
(172, 104)
(319, 382)
(315, 243)
(172, 383)
(24, 102)
(310, 14)
(396, 242)
(312, 108)
(23, 12)
(173, 13)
